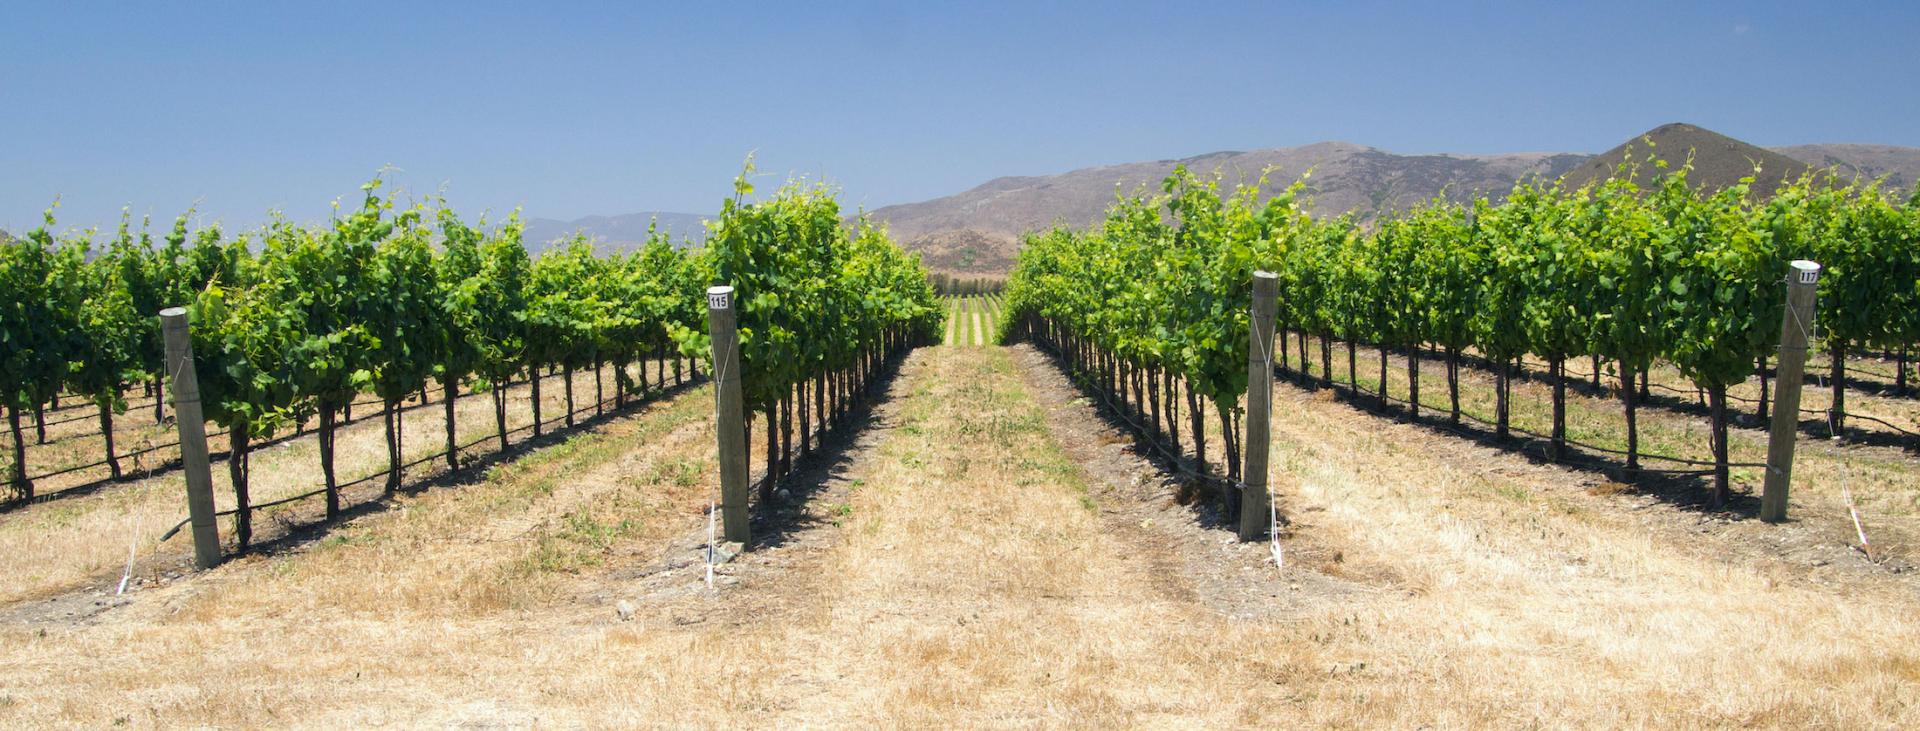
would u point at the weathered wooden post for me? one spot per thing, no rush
(729, 421)
(1256, 503)
(1802, 278)
(193, 437)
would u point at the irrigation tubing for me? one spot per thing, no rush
(1882, 422)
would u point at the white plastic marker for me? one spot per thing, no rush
(127, 575)
(1857, 528)
(1273, 533)
(711, 509)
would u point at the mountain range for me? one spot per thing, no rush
(977, 232)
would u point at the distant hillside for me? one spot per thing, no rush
(964, 251)
(1899, 165)
(977, 231)
(984, 223)
(1718, 160)
(616, 233)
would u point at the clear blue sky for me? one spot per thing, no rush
(612, 108)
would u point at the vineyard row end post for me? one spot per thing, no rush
(193, 437)
(1803, 277)
(1256, 501)
(729, 418)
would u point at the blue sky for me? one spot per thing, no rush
(580, 109)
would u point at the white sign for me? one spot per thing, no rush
(1809, 276)
(718, 300)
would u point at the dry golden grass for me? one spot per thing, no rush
(377, 621)
(1516, 596)
(1884, 480)
(73, 439)
(56, 545)
(971, 580)
(1556, 605)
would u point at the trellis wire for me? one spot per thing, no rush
(54, 495)
(436, 456)
(1537, 435)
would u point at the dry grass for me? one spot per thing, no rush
(1884, 480)
(450, 592)
(1523, 594)
(1520, 600)
(54, 546)
(74, 439)
(972, 581)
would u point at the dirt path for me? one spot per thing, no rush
(959, 570)
(953, 567)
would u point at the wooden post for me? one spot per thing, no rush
(193, 438)
(729, 421)
(1255, 501)
(1802, 278)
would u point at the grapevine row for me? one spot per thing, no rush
(292, 323)
(1159, 291)
(822, 308)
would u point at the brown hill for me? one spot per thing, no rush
(978, 231)
(985, 223)
(1899, 165)
(964, 251)
(1718, 160)
(1346, 178)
